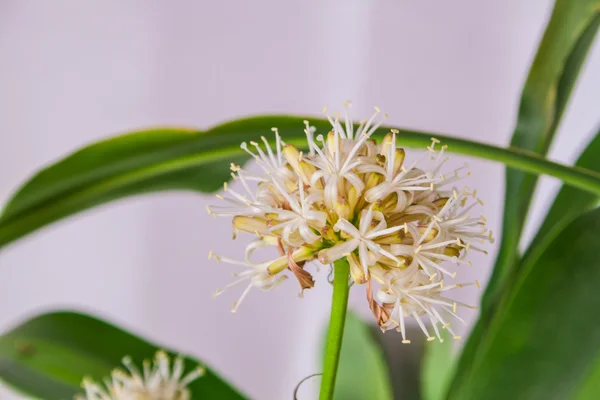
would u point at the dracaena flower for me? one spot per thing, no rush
(410, 294)
(158, 380)
(364, 239)
(402, 227)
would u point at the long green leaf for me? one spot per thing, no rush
(562, 52)
(568, 204)
(545, 341)
(177, 159)
(569, 34)
(362, 372)
(49, 355)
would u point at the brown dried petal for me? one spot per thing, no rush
(381, 314)
(305, 279)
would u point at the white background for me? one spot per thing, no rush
(73, 72)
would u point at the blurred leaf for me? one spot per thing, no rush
(568, 204)
(362, 373)
(179, 159)
(562, 52)
(438, 368)
(49, 355)
(545, 340)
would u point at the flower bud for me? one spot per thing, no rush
(357, 272)
(299, 166)
(386, 143)
(432, 234)
(342, 208)
(352, 200)
(331, 142)
(452, 250)
(249, 224)
(301, 254)
(441, 202)
(292, 155)
(328, 233)
(393, 238)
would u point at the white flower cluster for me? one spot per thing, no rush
(157, 381)
(349, 198)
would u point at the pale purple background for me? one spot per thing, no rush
(74, 72)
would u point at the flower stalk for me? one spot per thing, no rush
(337, 319)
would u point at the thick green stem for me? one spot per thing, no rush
(339, 304)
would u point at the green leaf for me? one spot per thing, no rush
(49, 355)
(562, 52)
(362, 372)
(569, 34)
(438, 368)
(545, 340)
(568, 204)
(178, 159)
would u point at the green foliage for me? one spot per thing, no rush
(569, 34)
(568, 204)
(545, 341)
(562, 52)
(48, 356)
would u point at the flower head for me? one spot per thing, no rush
(157, 381)
(403, 227)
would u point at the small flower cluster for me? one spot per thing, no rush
(157, 381)
(397, 225)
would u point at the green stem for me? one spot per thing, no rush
(339, 305)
